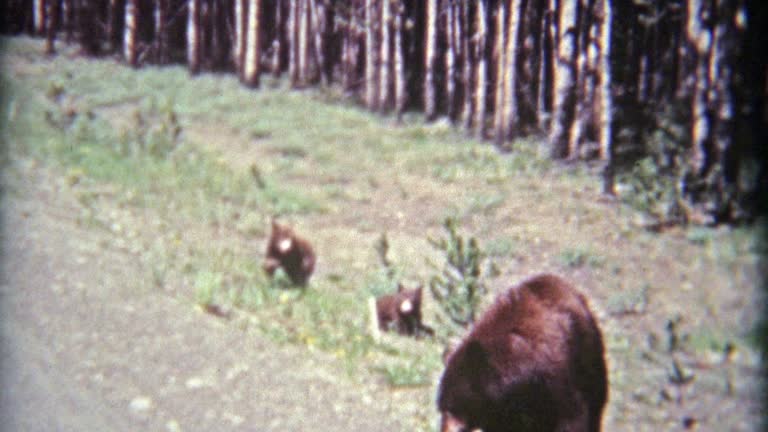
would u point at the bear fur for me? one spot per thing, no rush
(290, 252)
(534, 361)
(401, 311)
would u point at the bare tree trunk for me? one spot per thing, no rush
(400, 93)
(50, 26)
(238, 48)
(384, 80)
(317, 16)
(67, 10)
(39, 16)
(450, 61)
(546, 57)
(88, 29)
(371, 101)
(603, 91)
(303, 48)
(701, 40)
(464, 31)
(252, 54)
(510, 112)
(563, 79)
(499, 56)
(161, 31)
(480, 90)
(581, 91)
(429, 59)
(276, 43)
(193, 36)
(130, 32)
(293, 42)
(346, 57)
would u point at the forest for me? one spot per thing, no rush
(665, 99)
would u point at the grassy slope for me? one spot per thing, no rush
(197, 218)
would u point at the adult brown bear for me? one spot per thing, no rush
(290, 252)
(401, 311)
(533, 362)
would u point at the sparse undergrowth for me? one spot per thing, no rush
(200, 203)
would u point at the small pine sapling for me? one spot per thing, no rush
(458, 287)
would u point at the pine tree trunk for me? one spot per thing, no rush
(161, 31)
(238, 48)
(384, 80)
(50, 26)
(346, 57)
(293, 42)
(510, 111)
(113, 35)
(603, 97)
(39, 16)
(303, 49)
(370, 53)
(429, 60)
(277, 42)
(67, 19)
(400, 93)
(500, 59)
(480, 77)
(252, 45)
(546, 57)
(88, 31)
(450, 61)
(701, 40)
(130, 32)
(581, 85)
(466, 76)
(317, 16)
(563, 80)
(193, 36)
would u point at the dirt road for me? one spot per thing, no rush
(86, 348)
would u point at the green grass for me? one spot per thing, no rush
(344, 175)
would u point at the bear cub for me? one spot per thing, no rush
(533, 362)
(290, 252)
(401, 311)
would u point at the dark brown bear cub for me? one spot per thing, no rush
(533, 362)
(290, 252)
(402, 312)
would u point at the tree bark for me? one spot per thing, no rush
(193, 36)
(293, 42)
(277, 65)
(384, 75)
(130, 32)
(603, 91)
(429, 60)
(546, 57)
(480, 77)
(563, 78)
(499, 57)
(253, 48)
(161, 31)
(701, 40)
(400, 93)
(51, 11)
(39, 7)
(466, 75)
(240, 37)
(510, 111)
(371, 99)
(450, 61)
